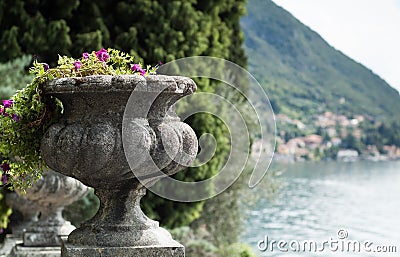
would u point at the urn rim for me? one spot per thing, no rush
(121, 83)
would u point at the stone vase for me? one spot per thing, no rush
(28, 210)
(29, 214)
(47, 197)
(50, 194)
(87, 144)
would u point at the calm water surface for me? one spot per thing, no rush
(316, 200)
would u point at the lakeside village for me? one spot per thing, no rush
(327, 136)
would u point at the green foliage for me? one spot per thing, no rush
(331, 153)
(23, 125)
(351, 142)
(158, 30)
(82, 210)
(303, 75)
(13, 76)
(26, 116)
(195, 240)
(5, 211)
(381, 133)
(222, 217)
(198, 243)
(236, 250)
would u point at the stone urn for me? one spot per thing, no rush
(50, 194)
(47, 197)
(28, 214)
(118, 134)
(29, 211)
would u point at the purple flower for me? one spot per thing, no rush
(8, 103)
(46, 66)
(77, 65)
(137, 68)
(15, 117)
(4, 178)
(102, 55)
(86, 56)
(5, 166)
(160, 63)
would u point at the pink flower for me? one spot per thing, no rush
(102, 55)
(8, 103)
(137, 68)
(85, 56)
(77, 65)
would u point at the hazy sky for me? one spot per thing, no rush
(368, 31)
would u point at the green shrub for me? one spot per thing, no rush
(14, 76)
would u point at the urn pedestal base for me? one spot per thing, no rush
(176, 250)
(29, 251)
(120, 228)
(48, 231)
(41, 239)
(9, 242)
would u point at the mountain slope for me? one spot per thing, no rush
(303, 74)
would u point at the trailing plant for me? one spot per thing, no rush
(25, 117)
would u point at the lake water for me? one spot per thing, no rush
(350, 203)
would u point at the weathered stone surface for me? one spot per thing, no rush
(50, 194)
(138, 251)
(87, 144)
(9, 242)
(24, 251)
(28, 209)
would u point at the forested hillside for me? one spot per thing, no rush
(304, 75)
